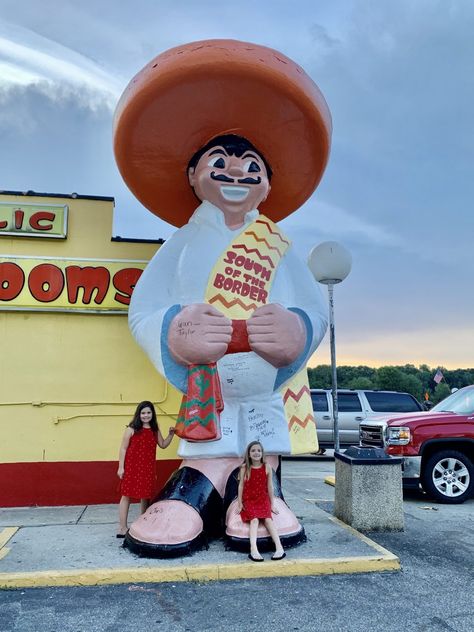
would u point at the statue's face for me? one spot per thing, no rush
(235, 185)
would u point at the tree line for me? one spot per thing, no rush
(407, 378)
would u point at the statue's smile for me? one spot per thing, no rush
(234, 193)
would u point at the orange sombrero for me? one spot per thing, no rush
(190, 94)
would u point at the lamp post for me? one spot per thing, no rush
(330, 263)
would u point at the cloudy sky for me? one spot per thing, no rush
(399, 188)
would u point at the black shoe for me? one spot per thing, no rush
(196, 490)
(255, 559)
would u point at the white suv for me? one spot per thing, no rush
(354, 407)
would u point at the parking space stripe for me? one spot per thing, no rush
(4, 551)
(6, 534)
(385, 552)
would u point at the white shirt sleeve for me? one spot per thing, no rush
(155, 294)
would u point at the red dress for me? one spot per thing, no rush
(255, 498)
(139, 479)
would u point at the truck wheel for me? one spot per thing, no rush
(448, 476)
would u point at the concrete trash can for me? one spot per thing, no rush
(368, 491)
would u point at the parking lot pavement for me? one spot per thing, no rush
(432, 593)
(54, 546)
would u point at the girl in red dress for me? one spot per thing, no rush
(137, 469)
(255, 500)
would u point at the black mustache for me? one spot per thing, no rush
(223, 178)
(249, 180)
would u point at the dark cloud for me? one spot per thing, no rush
(399, 89)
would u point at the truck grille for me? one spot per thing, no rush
(372, 436)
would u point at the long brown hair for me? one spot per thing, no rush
(248, 461)
(137, 423)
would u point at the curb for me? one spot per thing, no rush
(204, 573)
(382, 561)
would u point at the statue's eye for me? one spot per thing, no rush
(251, 167)
(218, 162)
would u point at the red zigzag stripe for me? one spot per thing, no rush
(249, 250)
(262, 239)
(229, 304)
(261, 221)
(295, 420)
(296, 396)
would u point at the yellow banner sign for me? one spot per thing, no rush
(85, 285)
(242, 277)
(33, 220)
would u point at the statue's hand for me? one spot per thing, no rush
(199, 334)
(276, 334)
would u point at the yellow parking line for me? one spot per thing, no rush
(387, 555)
(6, 534)
(330, 480)
(4, 551)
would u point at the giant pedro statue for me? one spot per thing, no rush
(223, 139)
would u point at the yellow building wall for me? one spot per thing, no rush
(69, 385)
(70, 382)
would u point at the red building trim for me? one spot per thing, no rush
(69, 483)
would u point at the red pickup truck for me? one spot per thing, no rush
(437, 447)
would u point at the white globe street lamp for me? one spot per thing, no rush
(330, 263)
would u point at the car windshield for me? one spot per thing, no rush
(461, 402)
